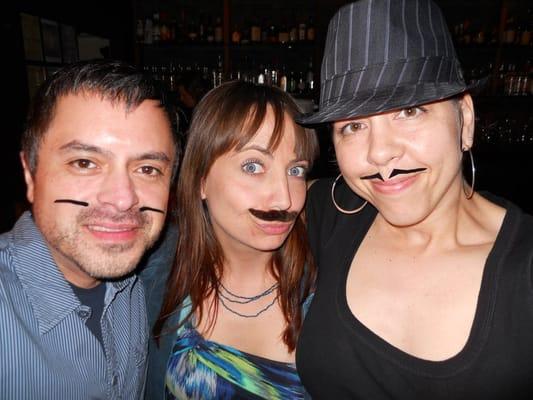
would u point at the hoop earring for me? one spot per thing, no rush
(471, 193)
(342, 210)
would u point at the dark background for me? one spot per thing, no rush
(503, 166)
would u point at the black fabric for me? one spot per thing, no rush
(339, 358)
(94, 298)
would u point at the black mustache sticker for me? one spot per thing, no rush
(151, 209)
(393, 173)
(76, 202)
(274, 215)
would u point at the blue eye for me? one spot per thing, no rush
(252, 167)
(298, 171)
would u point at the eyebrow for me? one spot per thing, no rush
(260, 149)
(268, 153)
(80, 146)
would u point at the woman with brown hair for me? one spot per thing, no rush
(234, 298)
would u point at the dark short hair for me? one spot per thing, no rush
(115, 81)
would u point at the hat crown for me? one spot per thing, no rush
(386, 54)
(374, 32)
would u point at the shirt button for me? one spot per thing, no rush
(83, 313)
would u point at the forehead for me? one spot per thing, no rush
(264, 135)
(91, 119)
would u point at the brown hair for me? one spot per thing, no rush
(226, 119)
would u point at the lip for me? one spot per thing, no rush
(277, 228)
(394, 186)
(113, 232)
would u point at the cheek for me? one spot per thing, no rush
(298, 195)
(349, 159)
(153, 194)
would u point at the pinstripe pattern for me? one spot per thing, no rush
(382, 55)
(46, 350)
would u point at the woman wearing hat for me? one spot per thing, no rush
(425, 287)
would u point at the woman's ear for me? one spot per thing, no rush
(466, 108)
(202, 189)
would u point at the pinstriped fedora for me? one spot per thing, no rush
(382, 55)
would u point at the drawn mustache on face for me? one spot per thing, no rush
(274, 215)
(393, 173)
(76, 202)
(85, 204)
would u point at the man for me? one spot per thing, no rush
(98, 156)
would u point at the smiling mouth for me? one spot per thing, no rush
(114, 233)
(394, 186)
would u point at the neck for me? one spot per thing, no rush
(248, 275)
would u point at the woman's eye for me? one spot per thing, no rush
(410, 112)
(83, 164)
(149, 170)
(252, 167)
(298, 171)
(351, 127)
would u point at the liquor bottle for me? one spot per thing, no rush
(261, 79)
(210, 31)
(255, 31)
(164, 30)
(310, 33)
(202, 29)
(292, 84)
(181, 28)
(245, 35)
(272, 33)
(283, 35)
(218, 30)
(219, 72)
(310, 81)
(302, 31)
(139, 31)
(235, 35)
(148, 33)
(509, 33)
(192, 32)
(156, 33)
(293, 33)
(525, 39)
(264, 31)
(283, 81)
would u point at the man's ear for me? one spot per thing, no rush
(466, 108)
(28, 176)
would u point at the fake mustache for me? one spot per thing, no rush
(274, 215)
(393, 173)
(85, 204)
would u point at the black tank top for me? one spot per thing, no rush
(339, 358)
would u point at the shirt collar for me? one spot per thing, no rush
(49, 293)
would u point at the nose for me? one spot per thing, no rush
(118, 190)
(280, 193)
(384, 143)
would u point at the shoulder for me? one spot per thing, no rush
(156, 263)
(6, 256)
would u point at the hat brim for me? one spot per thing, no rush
(386, 99)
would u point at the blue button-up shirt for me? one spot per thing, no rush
(46, 350)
